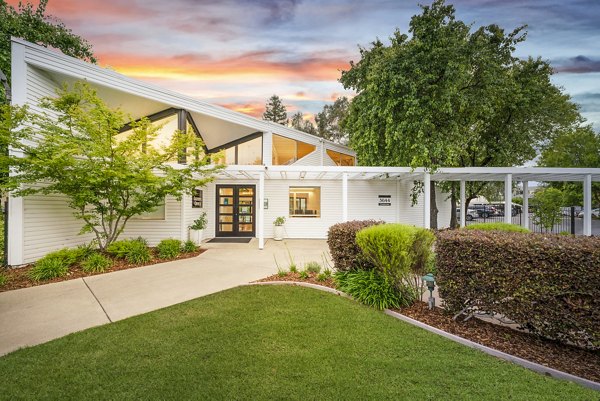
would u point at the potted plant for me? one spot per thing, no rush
(196, 229)
(278, 231)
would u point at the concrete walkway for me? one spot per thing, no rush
(35, 315)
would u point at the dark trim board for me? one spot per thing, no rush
(231, 240)
(235, 232)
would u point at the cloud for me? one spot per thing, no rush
(578, 65)
(254, 109)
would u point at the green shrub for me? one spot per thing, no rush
(312, 267)
(281, 273)
(496, 227)
(68, 256)
(400, 252)
(189, 246)
(49, 267)
(371, 288)
(169, 248)
(134, 251)
(322, 277)
(345, 253)
(549, 284)
(293, 269)
(304, 274)
(3, 279)
(96, 263)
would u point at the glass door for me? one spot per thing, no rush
(235, 210)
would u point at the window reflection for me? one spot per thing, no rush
(305, 201)
(341, 159)
(287, 151)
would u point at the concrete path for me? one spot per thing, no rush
(35, 315)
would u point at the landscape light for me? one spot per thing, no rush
(429, 281)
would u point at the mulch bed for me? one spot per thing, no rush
(19, 278)
(312, 278)
(573, 360)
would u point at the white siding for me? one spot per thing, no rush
(311, 159)
(363, 200)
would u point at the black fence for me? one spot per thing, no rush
(564, 222)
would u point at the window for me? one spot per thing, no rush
(156, 214)
(341, 159)
(305, 202)
(243, 152)
(287, 151)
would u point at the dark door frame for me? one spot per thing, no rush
(236, 195)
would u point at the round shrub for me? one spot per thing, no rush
(341, 239)
(96, 263)
(169, 248)
(312, 267)
(138, 252)
(49, 267)
(189, 246)
(496, 227)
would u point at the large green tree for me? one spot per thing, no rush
(579, 147)
(449, 95)
(75, 148)
(275, 111)
(34, 25)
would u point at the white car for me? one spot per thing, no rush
(470, 215)
(595, 213)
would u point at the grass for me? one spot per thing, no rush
(268, 342)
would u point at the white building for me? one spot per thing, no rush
(272, 170)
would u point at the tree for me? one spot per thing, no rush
(33, 25)
(330, 121)
(547, 203)
(573, 148)
(449, 96)
(301, 124)
(106, 177)
(275, 111)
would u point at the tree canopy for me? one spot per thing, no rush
(330, 121)
(75, 148)
(33, 25)
(450, 95)
(302, 124)
(275, 111)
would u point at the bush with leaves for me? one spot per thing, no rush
(547, 204)
(400, 252)
(372, 288)
(341, 239)
(496, 227)
(3, 279)
(49, 267)
(312, 267)
(133, 250)
(549, 284)
(189, 246)
(96, 263)
(169, 248)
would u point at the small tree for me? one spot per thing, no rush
(275, 111)
(298, 122)
(547, 203)
(107, 177)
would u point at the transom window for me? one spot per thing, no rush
(245, 152)
(305, 202)
(341, 159)
(287, 151)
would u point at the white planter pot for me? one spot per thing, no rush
(278, 233)
(195, 236)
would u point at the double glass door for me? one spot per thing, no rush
(235, 210)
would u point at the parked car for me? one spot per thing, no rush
(484, 211)
(515, 209)
(595, 213)
(470, 215)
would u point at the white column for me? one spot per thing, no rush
(267, 148)
(463, 204)
(587, 205)
(508, 198)
(426, 199)
(261, 211)
(525, 217)
(345, 197)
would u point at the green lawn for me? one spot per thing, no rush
(268, 342)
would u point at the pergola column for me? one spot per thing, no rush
(587, 205)
(345, 197)
(427, 200)
(508, 198)
(525, 218)
(261, 210)
(463, 204)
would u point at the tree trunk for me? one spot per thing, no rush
(453, 219)
(433, 210)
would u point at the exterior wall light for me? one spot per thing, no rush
(429, 281)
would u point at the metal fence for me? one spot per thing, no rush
(565, 222)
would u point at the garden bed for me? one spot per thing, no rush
(19, 277)
(573, 360)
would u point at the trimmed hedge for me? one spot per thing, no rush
(341, 240)
(496, 227)
(549, 284)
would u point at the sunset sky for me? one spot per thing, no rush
(237, 53)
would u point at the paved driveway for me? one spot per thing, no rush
(35, 315)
